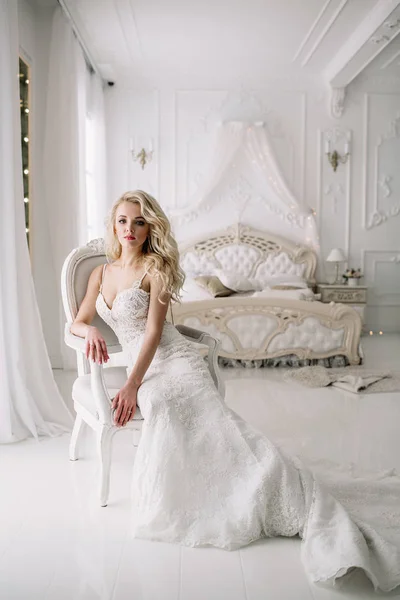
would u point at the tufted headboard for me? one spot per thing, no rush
(250, 253)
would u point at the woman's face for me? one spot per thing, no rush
(130, 227)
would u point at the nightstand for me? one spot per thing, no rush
(337, 292)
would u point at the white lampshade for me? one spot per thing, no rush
(336, 255)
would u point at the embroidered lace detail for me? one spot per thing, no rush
(203, 476)
(127, 324)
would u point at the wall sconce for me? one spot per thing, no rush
(144, 156)
(334, 157)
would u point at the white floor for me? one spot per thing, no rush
(56, 543)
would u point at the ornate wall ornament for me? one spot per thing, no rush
(334, 190)
(393, 130)
(379, 214)
(336, 135)
(337, 97)
(392, 24)
(384, 185)
(379, 39)
(243, 105)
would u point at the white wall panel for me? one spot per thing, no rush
(298, 122)
(198, 112)
(382, 152)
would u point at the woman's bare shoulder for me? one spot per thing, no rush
(97, 271)
(96, 274)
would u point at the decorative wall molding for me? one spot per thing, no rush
(337, 96)
(387, 294)
(379, 39)
(312, 40)
(127, 22)
(239, 194)
(334, 190)
(246, 105)
(378, 214)
(391, 60)
(384, 184)
(334, 187)
(367, 41)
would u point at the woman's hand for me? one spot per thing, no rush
(124, 404)
(96, 348)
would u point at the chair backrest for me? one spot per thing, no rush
(75, 274)
(74, 279)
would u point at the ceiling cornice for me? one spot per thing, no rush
(323, 23)
(129, 28)
(368, 40)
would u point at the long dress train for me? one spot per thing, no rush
(203, 476)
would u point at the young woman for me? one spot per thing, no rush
(202, 475)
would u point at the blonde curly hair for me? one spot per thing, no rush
(160, 250)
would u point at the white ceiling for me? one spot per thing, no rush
(223, 43)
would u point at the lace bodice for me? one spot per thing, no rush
(127, 317)
(128, 314)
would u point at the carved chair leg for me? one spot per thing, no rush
(104, 440)
(76, 437)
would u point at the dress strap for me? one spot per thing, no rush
(142, 277)
(102, 277)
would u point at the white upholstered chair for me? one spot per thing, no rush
(96, 385)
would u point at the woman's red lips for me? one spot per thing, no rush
(130, 237)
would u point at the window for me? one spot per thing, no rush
(24, 103)
(90, 142)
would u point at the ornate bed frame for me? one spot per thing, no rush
(264, 328)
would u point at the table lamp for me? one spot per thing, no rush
(336, 256)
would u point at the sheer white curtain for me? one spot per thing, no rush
(259, 150)
(242, 138)
(64, 153)
(30, 404)
(96, 164)
(228, 142)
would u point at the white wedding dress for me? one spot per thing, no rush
(203, 476)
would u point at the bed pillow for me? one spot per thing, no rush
(213, 285)
(294, 281)
(236, 282)
(192, 291)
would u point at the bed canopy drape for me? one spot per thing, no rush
(235, 139)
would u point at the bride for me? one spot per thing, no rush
(202, 475)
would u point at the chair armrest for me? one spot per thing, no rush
(190, 332)
(202, 337)
(78, 343)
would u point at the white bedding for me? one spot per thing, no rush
(193, 292)
(302, 294)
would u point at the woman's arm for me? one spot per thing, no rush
(154, 327)
(96, 347)
(124, 402)
(87, 309)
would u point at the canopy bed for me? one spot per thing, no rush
(266, 260)
(272, 317)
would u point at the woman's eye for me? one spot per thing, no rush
(121, 221)
(140, 223)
